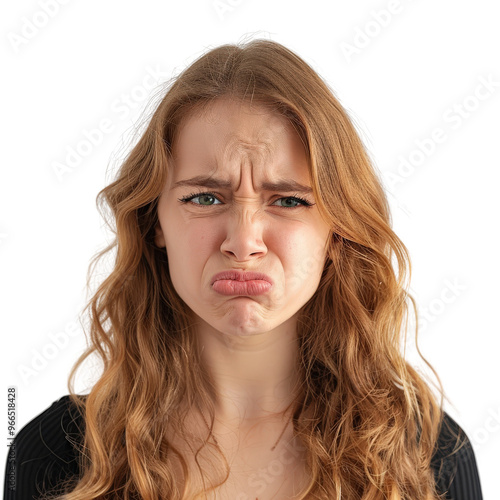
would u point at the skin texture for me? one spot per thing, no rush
(248, 343)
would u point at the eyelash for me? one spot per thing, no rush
(187, 199)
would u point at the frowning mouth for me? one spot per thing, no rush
(240, 275)
(239, 282)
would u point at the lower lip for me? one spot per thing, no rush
(234, 287)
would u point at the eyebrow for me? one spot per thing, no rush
(285, 185)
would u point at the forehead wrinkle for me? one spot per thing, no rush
(237, 145)
(248, 152)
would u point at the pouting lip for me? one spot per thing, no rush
(240, 275)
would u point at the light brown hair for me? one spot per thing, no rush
(372, 419)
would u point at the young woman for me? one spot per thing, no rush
(251, 328)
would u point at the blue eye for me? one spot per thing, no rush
(205, 197)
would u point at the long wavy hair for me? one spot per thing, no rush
(367, 419)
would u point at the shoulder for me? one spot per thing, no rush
(454, 463)
(43, 452)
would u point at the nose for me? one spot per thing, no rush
(244, 237)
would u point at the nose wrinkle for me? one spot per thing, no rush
(247, 216)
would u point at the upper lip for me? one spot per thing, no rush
(240, 275)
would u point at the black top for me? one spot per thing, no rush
(44, 456)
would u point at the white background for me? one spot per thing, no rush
(400, 75)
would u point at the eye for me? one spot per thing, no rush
(204, 199)
(294, 199)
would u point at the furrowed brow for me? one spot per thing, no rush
(204, 181)
(283, 185)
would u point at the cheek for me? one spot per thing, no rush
(303, 255)
(302, 243)
(189, 244)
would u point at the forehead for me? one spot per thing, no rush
(229, 133)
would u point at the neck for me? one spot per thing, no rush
(254, 377)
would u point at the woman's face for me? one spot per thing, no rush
(238, 220)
